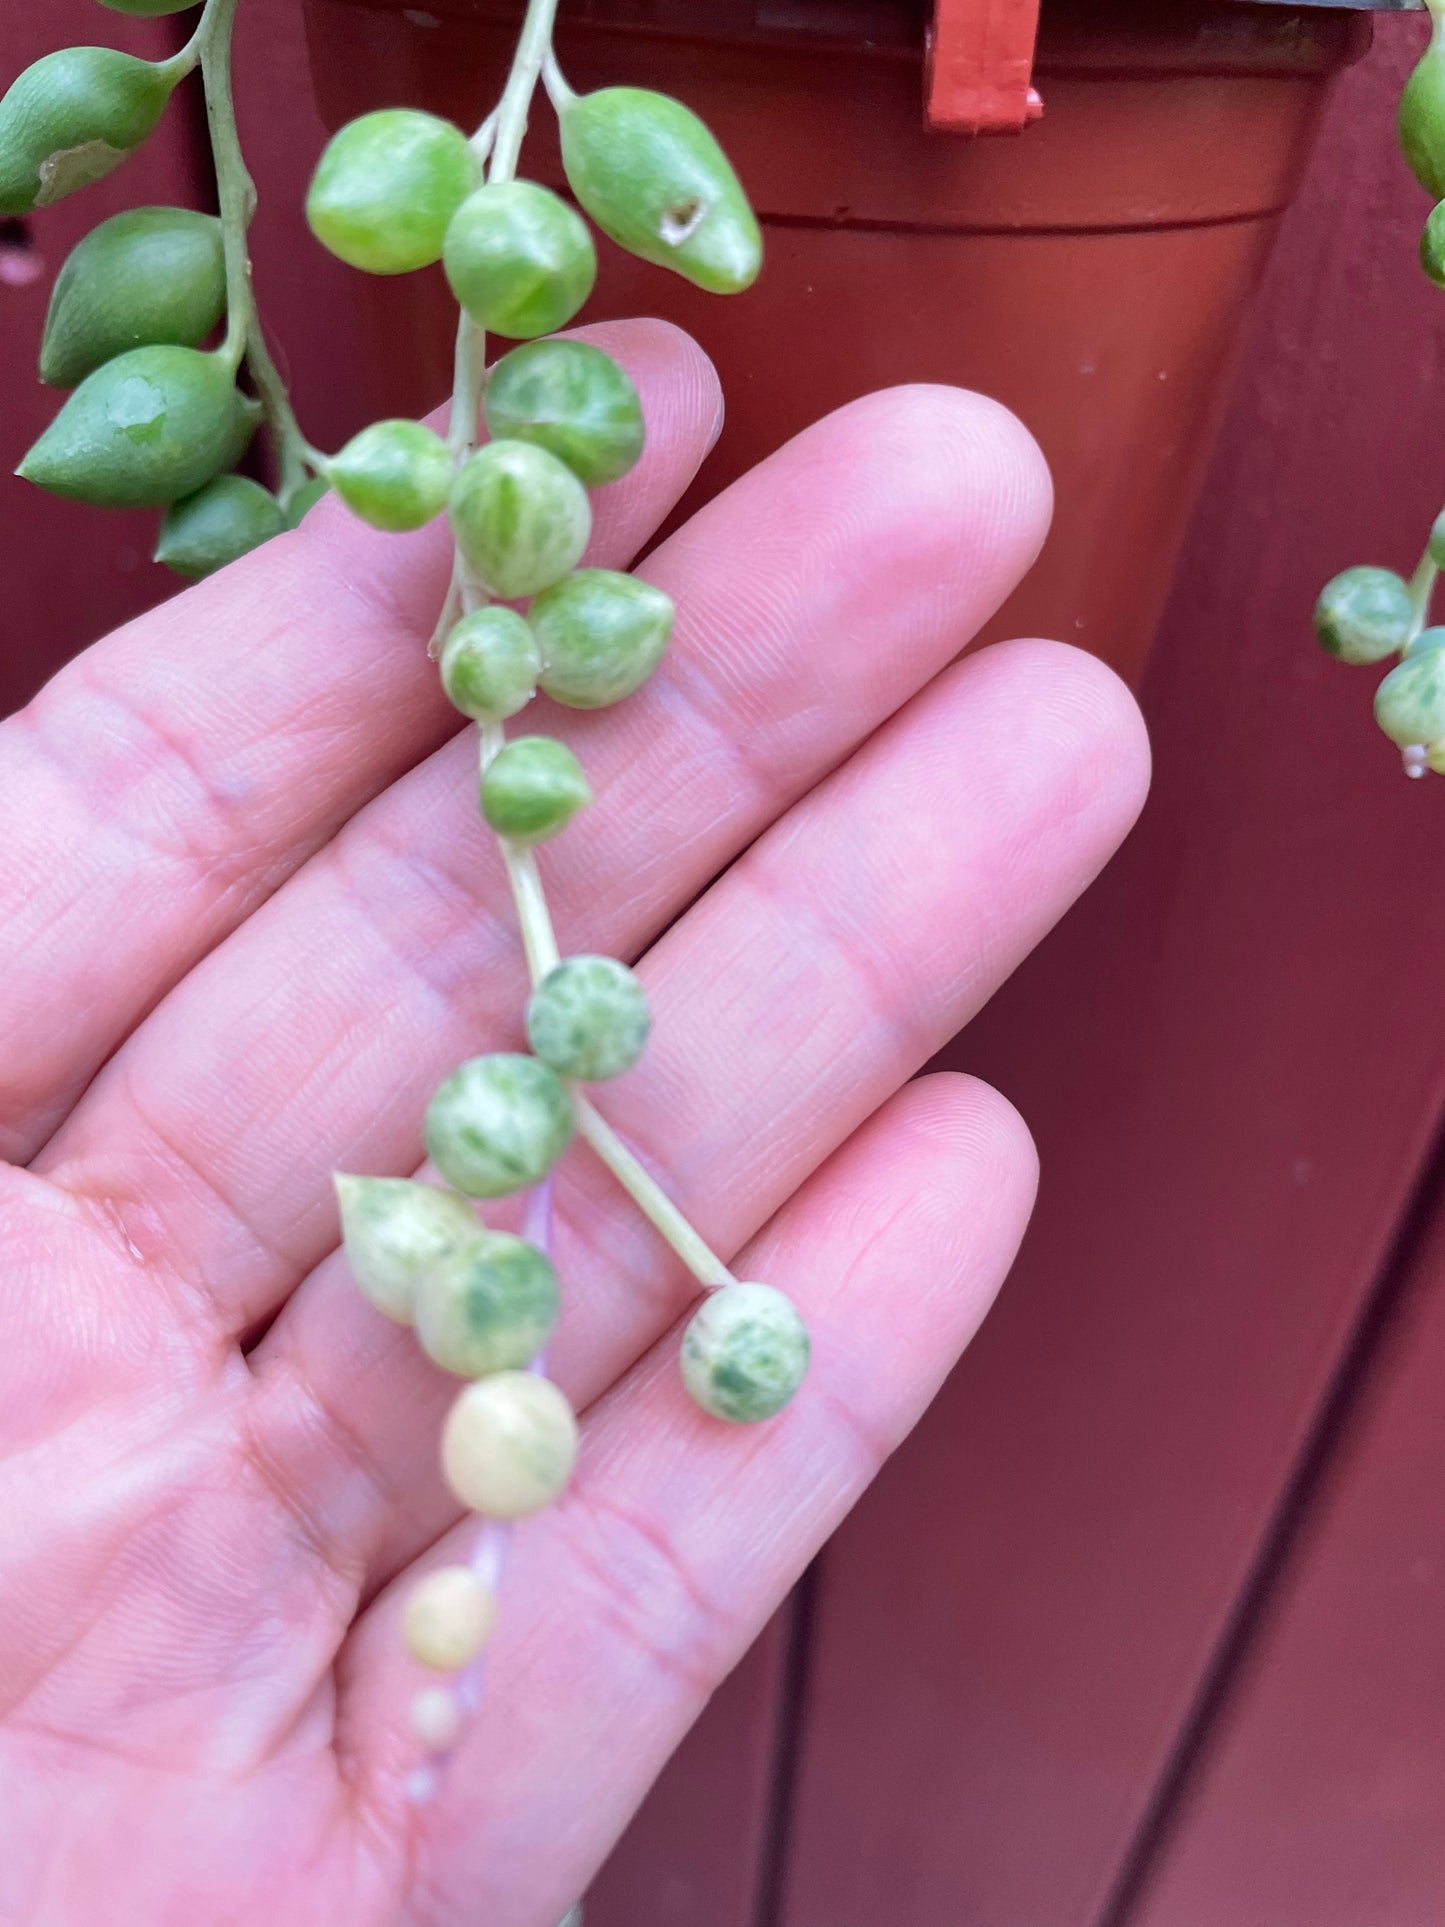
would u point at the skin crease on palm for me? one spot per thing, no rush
(250, 919)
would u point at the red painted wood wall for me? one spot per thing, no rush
(1142, 1629)
(1232, 1056)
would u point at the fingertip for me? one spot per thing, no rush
(975, 1167)
(972, 1123)
(950, 486)
(1083, 722)
(976, 456)
(980, 439)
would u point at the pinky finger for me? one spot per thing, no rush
(627, 1605)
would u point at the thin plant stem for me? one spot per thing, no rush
(532, 49)
(236, 196)
(451, 608)
(188, 58)
(481, 141)
(538, 937)
(468, 380)
(539, 942)
(1422, 587)
(534, 919)
(558, 92)
(507, 127)
(699, 1257)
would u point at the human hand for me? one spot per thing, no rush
(249, 918)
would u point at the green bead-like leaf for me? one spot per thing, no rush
(150, 275)
(498, 1124)
(1421, 123)
(571, 399)
(218, 524)
(490, 664)
(395, 1230)
(653, 178)
(72, 118)
(386, 189)
(521, 518)
(394, 475)
(488, 1307)
(601, 635)
(149, 9)
(744, 1353)
(519, 260)
(1364, 615)
(1427, 639)
(533, 788)
(1410, 702)
(588, 1018)
(144, 430)
(1432, 245)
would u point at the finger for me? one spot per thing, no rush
(627, 1605)
(313, 1038)
(169, 779)
(829, 963)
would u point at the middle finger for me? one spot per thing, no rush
(814, 597)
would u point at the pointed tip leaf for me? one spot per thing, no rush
(144, 430)
(148, 276)
(394, 1231)
(73, 117)
(653, 177)
(217, 525)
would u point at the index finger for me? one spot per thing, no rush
(173, 776)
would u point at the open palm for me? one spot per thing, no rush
(249, 918)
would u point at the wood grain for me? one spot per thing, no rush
(1319, 1797)
(697, 1853)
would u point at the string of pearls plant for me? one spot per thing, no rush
(1369, 614)
(159, 419)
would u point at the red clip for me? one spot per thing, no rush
(980, 59)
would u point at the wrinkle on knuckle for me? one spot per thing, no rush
(118, 1199)
(709, 702)
(274, 1443)
(889, 988)
(428, 951)
(870, 1444)
(644, 1590)
(390, 605)
(160, 792)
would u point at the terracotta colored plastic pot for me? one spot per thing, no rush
(1091, 273)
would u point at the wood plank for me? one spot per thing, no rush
(1320, 1799)
(696, 1855)
(1232, 1056)
(70, 572)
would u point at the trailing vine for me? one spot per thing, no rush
(1367, 614)
(158, 419)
